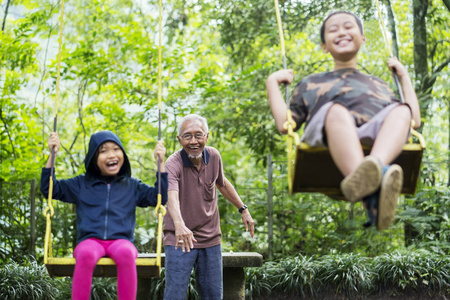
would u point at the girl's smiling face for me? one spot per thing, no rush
(110, 159)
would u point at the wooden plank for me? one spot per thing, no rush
(145, 264)
(64, 266)
(315, 171)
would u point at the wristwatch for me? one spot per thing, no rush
(242, 208)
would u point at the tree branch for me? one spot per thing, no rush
(6, 14)
(420, 8)
(428, 84)
(72, 159)
(81, 91)
(44, 71)
(433, 51)
(442, 66)
(9, 135)
(140, 91)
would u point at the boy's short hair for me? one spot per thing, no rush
(322, 28)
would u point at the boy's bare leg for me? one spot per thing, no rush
(392, 135)
(362, 175)
(343, 142)
(388, 145)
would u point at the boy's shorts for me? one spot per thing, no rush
(314, 134)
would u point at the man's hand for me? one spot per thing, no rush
(248, 222)
(185, 238)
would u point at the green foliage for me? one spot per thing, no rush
(15, 220)
(412, 271)
(216, 56)
(297, 275)
(257, 280)
(64, 288)
(27, 282)
(350, 276)
(343, 275)
(104, 288)
(30, 281)
(427, 219)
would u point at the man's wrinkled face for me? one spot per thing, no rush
(193, 138)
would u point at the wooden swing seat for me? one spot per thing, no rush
(64, 266)
(315, 171)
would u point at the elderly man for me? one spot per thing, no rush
(192, 236)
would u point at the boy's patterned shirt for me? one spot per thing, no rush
(362, 94)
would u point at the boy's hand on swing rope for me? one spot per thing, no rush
(53, 142)
(395, 64)
(282, 76)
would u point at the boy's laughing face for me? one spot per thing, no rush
(110, 159)
(343, 38)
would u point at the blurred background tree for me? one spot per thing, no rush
(216, 57)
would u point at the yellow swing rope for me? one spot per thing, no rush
(49, 211)
(394, 74)
(289, 125)
(160, 210)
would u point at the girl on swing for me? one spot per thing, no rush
(345, 108)
(106, 198)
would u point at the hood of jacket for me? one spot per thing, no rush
(90, 163)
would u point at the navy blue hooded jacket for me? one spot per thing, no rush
(106, 209)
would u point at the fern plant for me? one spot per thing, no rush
(26, 282)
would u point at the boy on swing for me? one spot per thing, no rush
(345, 108)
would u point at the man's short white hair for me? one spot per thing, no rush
(193, 117)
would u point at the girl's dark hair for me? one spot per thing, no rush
(322, 28)
(94, 170)
(93, 167)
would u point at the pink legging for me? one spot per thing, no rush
(89, 251)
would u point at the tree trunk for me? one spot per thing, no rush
(447, 4)
(33, 217)
(392, 27)
(421, 71)
(270, 204)
(420, 42)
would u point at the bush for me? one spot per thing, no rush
(412, 271)
(346, 274)
(29, 282)
(104, 289)
(257, 280)
(298, 276)
(32, 282)
(350, 276)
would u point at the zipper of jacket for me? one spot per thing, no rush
(106, 212)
